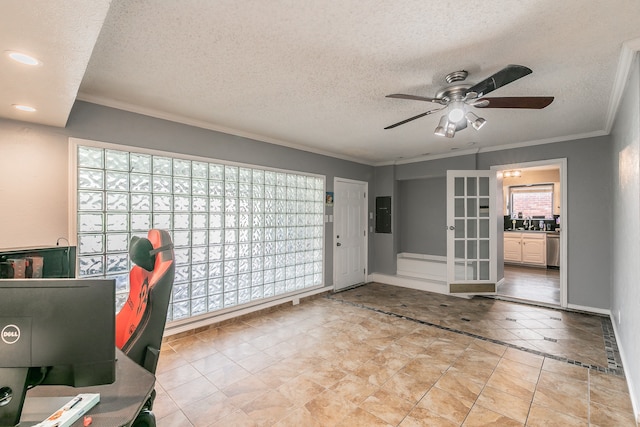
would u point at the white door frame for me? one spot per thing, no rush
(562, 164)
(365, 238)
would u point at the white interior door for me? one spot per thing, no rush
(472, 232)
(350, 233)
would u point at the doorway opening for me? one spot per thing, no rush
(534, 235)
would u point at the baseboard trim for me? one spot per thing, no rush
(410, 282)
(587, 309)
(194, 324)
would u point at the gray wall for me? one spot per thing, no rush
(420, 216)
(588, 210)
(48, 146)
(625, 292)
(385, 244)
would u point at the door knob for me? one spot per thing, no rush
(451, 227)
(338, 244)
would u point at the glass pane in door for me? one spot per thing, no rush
(471, 205)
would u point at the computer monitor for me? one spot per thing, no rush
(54, 332)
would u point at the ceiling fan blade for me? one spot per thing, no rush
(416, 98)
(505, 76)
(413, 118)
(533, 102)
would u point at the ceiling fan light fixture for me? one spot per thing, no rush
(442, 125)
(475, 121)
(450, 130)
(456, 113)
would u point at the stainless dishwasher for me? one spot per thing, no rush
(553, 250)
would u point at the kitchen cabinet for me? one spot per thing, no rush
(513, 247)
(525, 248)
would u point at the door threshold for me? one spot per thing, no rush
(525, 301)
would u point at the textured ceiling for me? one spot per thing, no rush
(314, 74)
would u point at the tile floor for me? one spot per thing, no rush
(367, 357)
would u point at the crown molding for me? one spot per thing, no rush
(625, 62)
(176, 118)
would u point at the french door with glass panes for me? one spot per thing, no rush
(472, 232)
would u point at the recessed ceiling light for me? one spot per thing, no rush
(26, 108)
(23, 58)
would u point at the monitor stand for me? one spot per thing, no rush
(13, 388)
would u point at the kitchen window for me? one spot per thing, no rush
(531, 201)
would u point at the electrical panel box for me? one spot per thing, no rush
(383, 214)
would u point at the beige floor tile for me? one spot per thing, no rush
(426, 369)
(504, 403)
(445, 350)
(482, 417)
(446, 405)
(603, 415)
(564, 384)
(421, 417)
(494, 348)
(479, 358)
(175, 419)
(164, 405)
(576, 372)
(533, 360)
(610, 398)
(354, 388)
(257, 362)
(407, 387)
(374, 373)
(300, 390)
(208, 410)
(542, 416)
(276, 375)
(235, 419)
(212, 363)
(169, 360)
(361, 418)
(472, 370)
(177, 376)
(606, 381)
(325, 374)
(297, 418)
(192, 391)
(387, 406)
(191, 348)
(562, 402)
(245, 390)
(460, 385)
(522, 370)
(268, 408)
(325, 363)
(227, 375)
(513, 384)
(329, 408)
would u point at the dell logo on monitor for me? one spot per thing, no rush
(10, 334)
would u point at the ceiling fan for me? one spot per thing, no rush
(458, 97)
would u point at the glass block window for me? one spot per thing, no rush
(241, 234)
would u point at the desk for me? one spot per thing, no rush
(119, 405)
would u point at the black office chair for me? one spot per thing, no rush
(141, 321)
